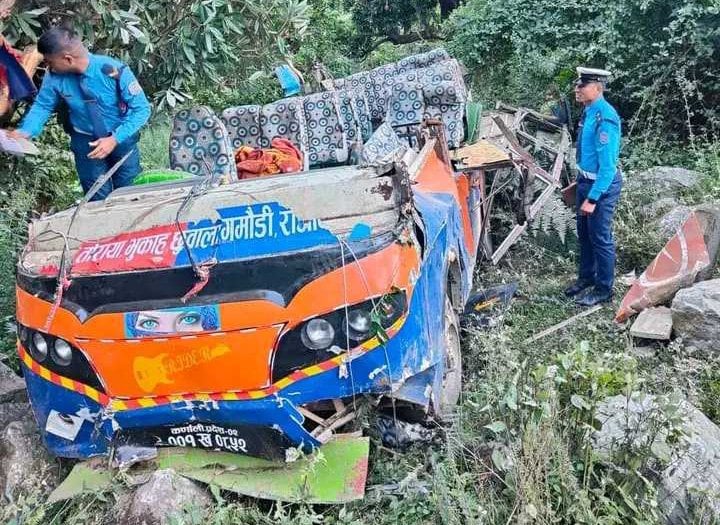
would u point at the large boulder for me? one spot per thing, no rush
(696, 315)
(25, 464)
(165, 495)
(12, 387)
(687, 469)
(663, 181)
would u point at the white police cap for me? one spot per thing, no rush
(589, 74)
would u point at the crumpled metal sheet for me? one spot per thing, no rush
(676, 266)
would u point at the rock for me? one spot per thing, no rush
(696, 315)
(658, 207)
(10, 412)
(673, 220)
(25, 464)
(166, 494)
(709, 217)
(663, 181)
(12, 387)
(688, 471)
(653, 323)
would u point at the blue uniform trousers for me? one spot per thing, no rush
(90, 170)
(597, 246)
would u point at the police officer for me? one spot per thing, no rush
(599, 183)
(106, 106)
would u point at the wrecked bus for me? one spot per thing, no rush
(253, 316)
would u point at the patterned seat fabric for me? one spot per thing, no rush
(349, 117)
(285, 118)
(243, 125)
(445, 100)
(325, 130)
(199, 144)
(422, 60)
(407, 104)
(363, 113)
(382, 79)
(382, 146)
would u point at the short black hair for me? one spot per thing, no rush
(57, 40)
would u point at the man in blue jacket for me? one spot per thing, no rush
(106, 106)
(598, 188)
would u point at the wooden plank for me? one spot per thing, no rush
(653, 323)
(562, 325)
(512, 237)
(481, 154)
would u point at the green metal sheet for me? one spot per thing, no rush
(85, 477)
(334, 474)
(473, 111)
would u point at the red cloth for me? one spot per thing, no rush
(281, 157)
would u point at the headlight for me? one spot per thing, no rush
(39, 347)
(325, 336)
(62, 353)
(318, 334)
(358, 324)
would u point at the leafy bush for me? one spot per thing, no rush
(663, 55)
(173, 44)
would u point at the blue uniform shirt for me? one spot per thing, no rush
(599, 145)
(104, 88)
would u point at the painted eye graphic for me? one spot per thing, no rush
(189, 320)
(148, 324)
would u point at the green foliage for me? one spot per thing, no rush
(663, 54)
(710, 393)
(329, 38)
(43, 183)
(397, 22)
(173, 44)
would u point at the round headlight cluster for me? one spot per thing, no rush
(318, 334)
(60, 351)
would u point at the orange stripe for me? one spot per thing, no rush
(120, 405)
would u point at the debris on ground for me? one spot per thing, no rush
(653, 323)
(563, 324)
(397, 433)
(485, 308)
(675, 267)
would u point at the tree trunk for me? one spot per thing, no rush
(447, 6)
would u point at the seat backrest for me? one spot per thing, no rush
(199, 144)
(285, 118)
(325, 131)
(407, 104)
(382, 80)
(422, 60)
(446, 100)
(243, 126)
(382, 145)
(349, 117)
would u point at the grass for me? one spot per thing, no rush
(154, 144)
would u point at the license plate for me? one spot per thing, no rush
(239, 439)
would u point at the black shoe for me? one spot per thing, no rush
(577, 287)
(593, 297)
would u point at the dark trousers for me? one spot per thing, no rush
(597, 246)
(90, 170)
